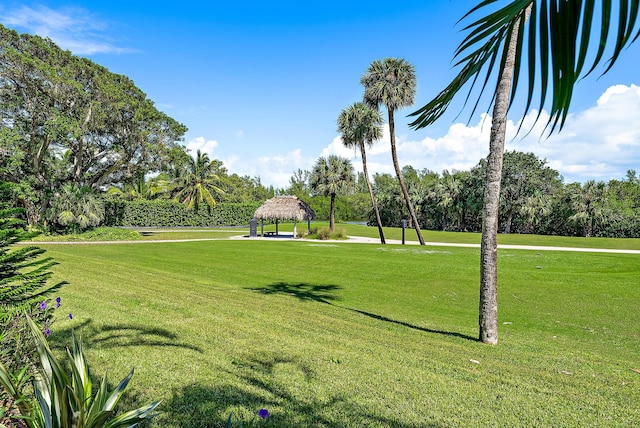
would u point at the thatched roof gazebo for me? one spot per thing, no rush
(285, 208)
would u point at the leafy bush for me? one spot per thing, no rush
(339, 234)
(324, 233)
(65, 400)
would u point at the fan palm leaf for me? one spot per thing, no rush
(562, 42)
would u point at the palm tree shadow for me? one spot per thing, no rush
(323, 293)
(257, 386)
(308, 292)
(124, 335)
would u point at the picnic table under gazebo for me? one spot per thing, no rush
(285, 208)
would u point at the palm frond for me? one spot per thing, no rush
(554, 46)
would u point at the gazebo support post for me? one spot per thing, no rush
(294, 228)
(276, 227)
(262, 228)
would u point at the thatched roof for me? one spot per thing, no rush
(285, 208)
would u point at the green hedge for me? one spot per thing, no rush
(163, 213)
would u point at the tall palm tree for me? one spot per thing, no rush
(361, 126)
(196, 184)
(392, 82)
(330, 177)
(555, 42)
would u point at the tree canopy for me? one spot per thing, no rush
(66, 119)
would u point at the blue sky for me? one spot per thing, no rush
(261, 84)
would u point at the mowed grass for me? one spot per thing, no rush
(352, 335)
(391, 233)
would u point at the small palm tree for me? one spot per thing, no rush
(360, 126)
(392, 82)
(535, 207)
(589, 205)
(447, 192)
(77, 208)
(330, 177)
(196, 184)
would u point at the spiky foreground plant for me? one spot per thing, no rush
(67, 400)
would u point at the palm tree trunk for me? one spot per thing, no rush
(332, 223)
(488, 308)
(373, 198)
(403, 186)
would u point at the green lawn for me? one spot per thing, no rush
(352, 335)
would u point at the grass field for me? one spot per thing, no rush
(391, 233)
(352, 335)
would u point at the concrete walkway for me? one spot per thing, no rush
(362, 239)
(352, 239)
(368, 240)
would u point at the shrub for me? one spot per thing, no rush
(97, 234)
(65, 400)
(339, 234)
(166, 213)
(324, 233)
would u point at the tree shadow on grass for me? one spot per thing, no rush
(323, 293)
(260, 387)
(124, 335)
(412, 326)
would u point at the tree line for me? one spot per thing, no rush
(533, 199)
(73, 133)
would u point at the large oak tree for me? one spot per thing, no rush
(66, 119)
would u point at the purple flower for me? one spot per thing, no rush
(58, 302)
(264, 413)
(47, 332)
(70, 316)
(43, 305)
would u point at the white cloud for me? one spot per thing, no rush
(70, 28)
(601, 142)
(338, 148)
(273, 170)
(205, 146)
(277, 170)
(461, 148)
